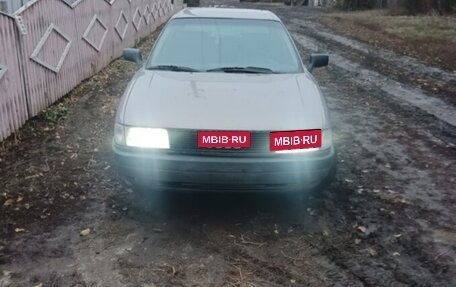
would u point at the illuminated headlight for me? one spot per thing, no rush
(147, 138)
(327, 139)
(141, 137)
(326, 142)
(119, 134)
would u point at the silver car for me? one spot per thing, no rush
(224, 102)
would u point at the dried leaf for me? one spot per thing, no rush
(372, 252)
(85, 232)
(363, 229)
(8, 202)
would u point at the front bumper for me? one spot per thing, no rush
(168, 170)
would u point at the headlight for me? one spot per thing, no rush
(147, 137)
(325, 144)
(141, 137)
(119, 134)
(327, 139)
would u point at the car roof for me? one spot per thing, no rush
(226, 13)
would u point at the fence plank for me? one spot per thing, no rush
(59, 45)
(13, 109)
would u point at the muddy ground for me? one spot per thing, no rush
(388, 220)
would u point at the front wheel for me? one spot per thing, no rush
(326, 182)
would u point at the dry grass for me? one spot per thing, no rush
(430, 38)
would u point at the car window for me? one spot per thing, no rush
(205, 44)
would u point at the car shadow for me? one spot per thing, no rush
(219, 208)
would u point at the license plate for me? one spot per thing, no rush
(291, 140)
(224, 139)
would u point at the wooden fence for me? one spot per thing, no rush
(48, 47)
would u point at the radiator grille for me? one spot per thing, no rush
(186, 142)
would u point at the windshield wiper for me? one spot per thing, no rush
(249, 69)
(173, 68)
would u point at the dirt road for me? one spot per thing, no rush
(388, 220)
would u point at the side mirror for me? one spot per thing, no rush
(318, 60)
(133, 55)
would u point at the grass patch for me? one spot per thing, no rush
(55, 112)
(430, 38)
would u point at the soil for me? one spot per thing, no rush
(387, 220)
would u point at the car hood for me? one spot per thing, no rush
(222, 101)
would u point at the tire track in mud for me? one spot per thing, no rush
(313, 270)
(433, 81)
(373, 171)
(405, 63)
(433, 145)
(372, 67)
(370, 78)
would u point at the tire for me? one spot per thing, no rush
(326, 182)
(331, 175)
(147, 199)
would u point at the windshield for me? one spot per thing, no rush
(225, 45)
